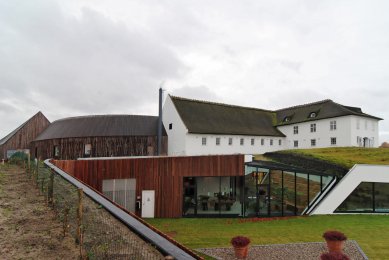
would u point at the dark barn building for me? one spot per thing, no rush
(21, 137)
(99, 136)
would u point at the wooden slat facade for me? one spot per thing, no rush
(162, 174)
(73, 148)
(22, 138)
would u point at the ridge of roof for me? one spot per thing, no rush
(219, 104)
(100, 116)
(306, 105)
(12, 133)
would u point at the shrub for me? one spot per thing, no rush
(334, 256)
(334, 235)
(240, 241)
(18, 157)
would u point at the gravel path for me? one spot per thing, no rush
(311, 250)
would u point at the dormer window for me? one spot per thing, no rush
(287, 119)
(312, 115)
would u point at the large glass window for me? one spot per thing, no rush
(276, 193)
(367, 197)
(381, 197)
(289, 194)
(301, 192)
(361, 199)
(212, 196)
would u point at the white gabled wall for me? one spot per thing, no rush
(176, 135)
(346, 132)
(364, 127)
(195, 147)
(359, 173)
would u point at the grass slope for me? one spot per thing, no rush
(347, 156)
(370, 231)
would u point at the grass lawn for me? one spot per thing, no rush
(370, 231)
(348, 156)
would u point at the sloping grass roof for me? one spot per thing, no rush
(347, 156)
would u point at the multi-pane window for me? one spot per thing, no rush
(56, 151)
(88, 149)
(332, 125)
(217, 140)
(313, 142)
(333, 140)
(271, 141)
(170, 126)
(313, 128)
(279, 142)
(241, 141)
(262, 141)
(204, 141)
(295, 130)
(230, 141)
(295, 143)
(252, 141)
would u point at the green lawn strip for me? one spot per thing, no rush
(347, 156)
(370, 231)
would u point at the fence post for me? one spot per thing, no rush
(28, 162)
(37, 173)
(50, 189)
(80, 235)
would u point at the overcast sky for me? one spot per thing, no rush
(69, 58)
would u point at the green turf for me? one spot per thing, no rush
(370, 231)
(348, 156)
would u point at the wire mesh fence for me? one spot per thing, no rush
(98, 234)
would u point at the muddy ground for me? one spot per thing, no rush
(28, 227)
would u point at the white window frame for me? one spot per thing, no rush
(271, 141)
(230, 141)
(262, 141)
(333, 125)
(217, 140)
(313, 128)
(203, 141)
(295, 143)
(241, 141)
(333, 140)
(252, 141)
(295, 130)
(313, 142)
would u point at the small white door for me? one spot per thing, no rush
(148, 198)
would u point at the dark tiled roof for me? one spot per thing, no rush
(215, 118)
(9, 136)
(323, 109)
(102, 125)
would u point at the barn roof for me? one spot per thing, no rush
(216, 118)
(101, 126)
(10, 135)
(322, 109)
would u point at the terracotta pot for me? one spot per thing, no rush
(241, 252)
(335, 246)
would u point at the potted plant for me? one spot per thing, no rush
(241, 246)
(334, 256)
(335, 240)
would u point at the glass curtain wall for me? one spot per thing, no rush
(213, 196)
(369, 197)
(280, 193)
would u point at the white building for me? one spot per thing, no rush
(201, 128)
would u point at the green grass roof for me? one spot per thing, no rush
(348, 156)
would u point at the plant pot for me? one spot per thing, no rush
(335, 246)
(241, 252)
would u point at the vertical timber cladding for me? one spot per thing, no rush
(73, 147)
(162, 174)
